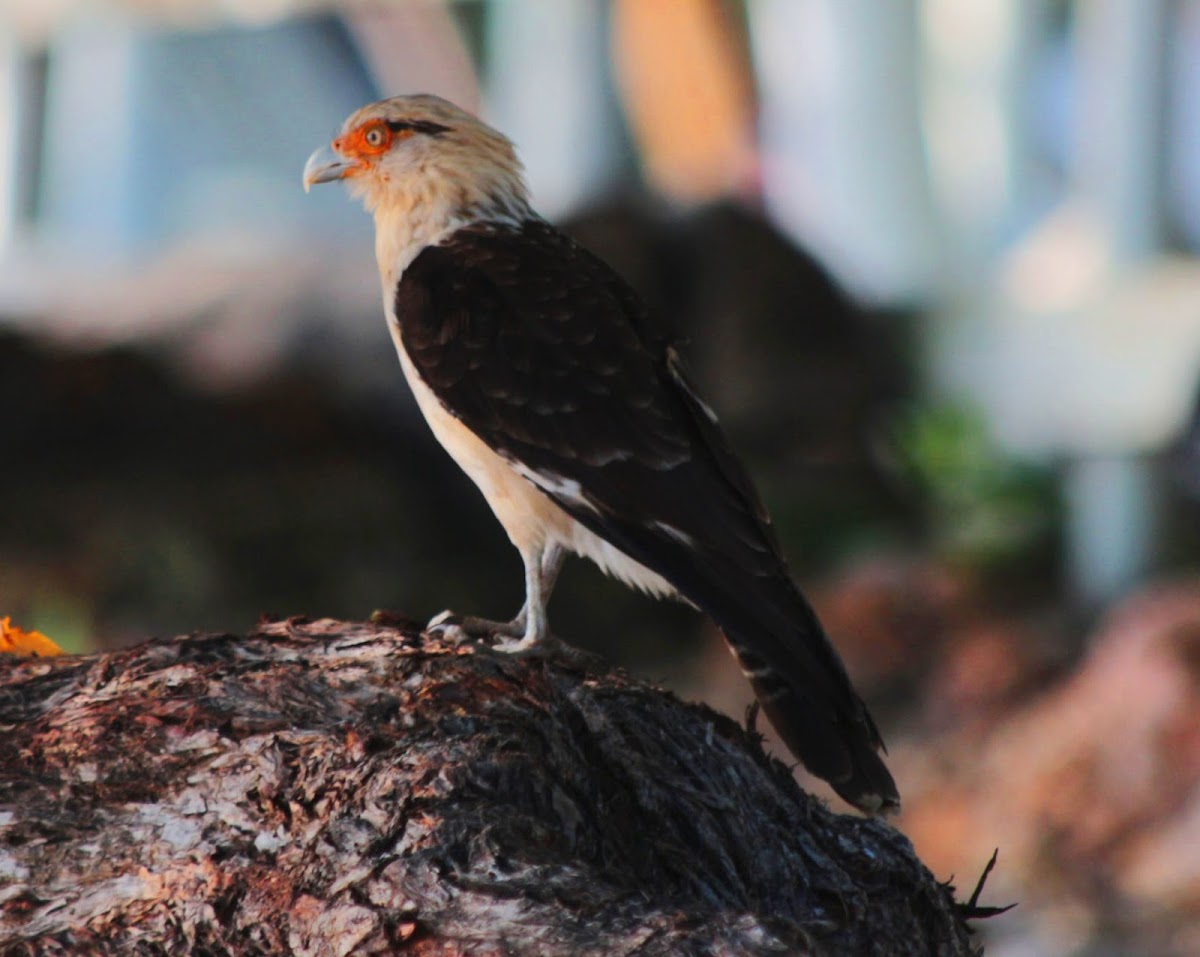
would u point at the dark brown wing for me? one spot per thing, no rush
(546, 354)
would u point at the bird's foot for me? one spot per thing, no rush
(527, 646)
(513, 639)
(551, 649)
(460, 629)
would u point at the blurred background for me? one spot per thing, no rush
(936, 262)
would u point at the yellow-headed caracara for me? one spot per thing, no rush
(538, 369)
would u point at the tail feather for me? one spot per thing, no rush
(835, 739)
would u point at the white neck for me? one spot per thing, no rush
(400, 234)
(411, 221)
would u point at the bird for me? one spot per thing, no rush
(547, 381)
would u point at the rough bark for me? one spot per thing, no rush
(329, 788)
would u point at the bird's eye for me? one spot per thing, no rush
(375, 137)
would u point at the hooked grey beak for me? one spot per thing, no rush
(325, 166)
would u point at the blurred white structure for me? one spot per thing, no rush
(150, 174)
(1084, 344)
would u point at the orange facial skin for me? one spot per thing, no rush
(366, 142)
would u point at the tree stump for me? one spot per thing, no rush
(330, 788)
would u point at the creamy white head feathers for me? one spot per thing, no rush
(422, 155)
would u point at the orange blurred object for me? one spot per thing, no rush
(17, 641)
(683, 69)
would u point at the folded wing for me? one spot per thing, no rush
(541, 350)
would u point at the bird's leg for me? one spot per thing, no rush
(548, 561)
(541, 573)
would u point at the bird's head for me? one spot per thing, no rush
(421, 156)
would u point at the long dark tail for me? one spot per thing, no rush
(841, 745)
(804, 690)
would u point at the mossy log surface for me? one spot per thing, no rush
(332, 788)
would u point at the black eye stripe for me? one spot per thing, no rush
(417, 126)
